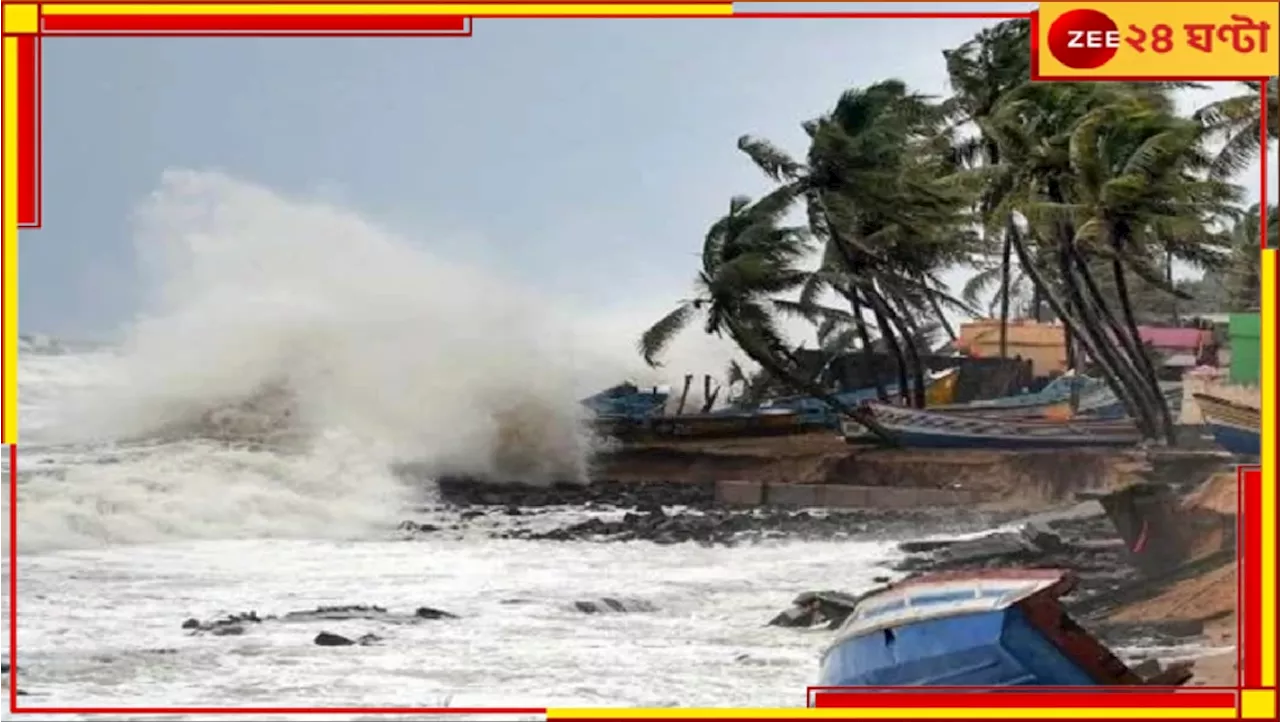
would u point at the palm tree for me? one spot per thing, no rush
(748, 258)
(1242, 272)
(981, 72)
(1237, 121)
(872, 189)
(1139, 196)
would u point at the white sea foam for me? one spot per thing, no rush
(270, 319)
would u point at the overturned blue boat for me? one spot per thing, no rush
(1000, 628)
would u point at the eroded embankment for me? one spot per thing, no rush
(1024, 480)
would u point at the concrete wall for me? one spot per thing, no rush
(758, 493)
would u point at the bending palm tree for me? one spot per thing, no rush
(1238, 121)
(748, 258)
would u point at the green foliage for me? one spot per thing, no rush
(1071, 200)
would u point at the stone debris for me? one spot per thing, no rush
(329, 639)
(237, 624)
(613, 605)
(813, 608)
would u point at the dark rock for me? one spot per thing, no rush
(232, 624)
(433, 613)
(4, 667)
(191, 623)
(238, 623)
(328, 639)
(467, 491)
(613, 605)
(812, 608)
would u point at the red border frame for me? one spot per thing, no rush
(30, 216)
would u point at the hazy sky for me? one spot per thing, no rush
(585, 157)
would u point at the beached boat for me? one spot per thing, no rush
(1001, 628)
(939, 388)
(931, 429)
(1053, 401)
(756, 423)
(1235, 427)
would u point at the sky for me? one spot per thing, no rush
(583, 158)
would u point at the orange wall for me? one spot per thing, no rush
(1041, 343)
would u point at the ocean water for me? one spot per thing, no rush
(232, 452)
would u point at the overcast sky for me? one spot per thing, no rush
(583, 157)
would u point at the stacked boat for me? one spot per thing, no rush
(1041, 420)
(629, 412)
(1236, 427)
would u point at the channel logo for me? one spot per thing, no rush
(1083, 39)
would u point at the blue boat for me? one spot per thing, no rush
(628, 401)
(1054, 393)
(816, 412)
(992, 628)
(928, 429)
(1237, 428)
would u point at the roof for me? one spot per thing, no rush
(1179, 338)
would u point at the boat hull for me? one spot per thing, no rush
(705, 426)
(914, 428)
(1237, 440)
(992, 629)
(1237, 428)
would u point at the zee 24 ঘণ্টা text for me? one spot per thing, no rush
(1241, 35)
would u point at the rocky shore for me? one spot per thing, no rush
(1131, 607)
(665, 513)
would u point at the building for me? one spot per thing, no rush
(1043, 344)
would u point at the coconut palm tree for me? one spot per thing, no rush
(874, 195)
(1237, 122)
(1241, 274)
(748, 259)
(1139, 195)
(981, 72)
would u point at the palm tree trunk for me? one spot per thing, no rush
(906, 330)
(937, 311)
(1101, 347)
(1137, 365)
(767, 361)
(1072, 325)
(890, 339)
(1005, 279)
(870, 367)
(1122, 289)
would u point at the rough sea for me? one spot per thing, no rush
(232, 451)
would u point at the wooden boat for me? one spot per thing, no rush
(817, 412)
(1053, 401)
(1235, 426)
(931, 429)
(705, 426)
(1001, 628)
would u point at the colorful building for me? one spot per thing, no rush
(1043, 344)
